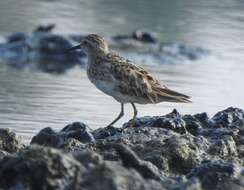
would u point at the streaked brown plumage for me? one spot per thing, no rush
(121, 79)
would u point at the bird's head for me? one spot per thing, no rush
(92, 43)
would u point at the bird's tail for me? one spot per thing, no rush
(165, 94)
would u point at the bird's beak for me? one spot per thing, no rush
(74, 48)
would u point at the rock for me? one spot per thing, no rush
(88, 159)
(241, 178)
(9, 141)
(230, 117)
(147, 37)
(40, 168)
(183, 153)
(48, 137)
(79, 131)
(172, 121)
(175, 152)
(3, 154)
(76, 130)
(216, 175)
(224, 148)
(115, 177)
(194, 123)
(103, 133)
(53, 44)
(138, 35)
(72, 145)
(16, 37)
(130, 160)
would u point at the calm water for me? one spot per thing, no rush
(31, 100)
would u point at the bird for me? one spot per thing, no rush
(122, 79)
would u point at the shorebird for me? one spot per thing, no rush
(121, 79)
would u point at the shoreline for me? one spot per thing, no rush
(173, 151)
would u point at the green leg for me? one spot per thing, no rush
(134, 116)
(121, 114)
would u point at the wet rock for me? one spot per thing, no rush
(88, 159)
(48, 137)
(216, 175)
(40, 168)
(115, 177)
(230, 117)
(76, 130)
(183, 153)
(79, 131)
(130, 160)
(139, 35)
(224, 148)
(9, 141)
(169, 151)
(103, 133)
(143, 36)
(156, 154)
(172, 121)
(3, 154)
(16, 37)
(54, 44)
(72, 145)
(194, 123)
(241, 178)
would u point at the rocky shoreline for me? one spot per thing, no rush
(45, 50)
(174, 151)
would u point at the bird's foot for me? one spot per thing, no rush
(133, 123)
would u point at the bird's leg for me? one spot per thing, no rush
(119, 116)
(134, 116)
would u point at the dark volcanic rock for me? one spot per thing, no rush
(138, 35)
(130, 160)
(47, 137)
(172, 121)
(147, 37)
(40, 168)
(195, 122)
(217, 175)
(109, 131)
(9, 141)
(76, 130)
(79, 131)
(224, 148)
(3, 154)
(183, 153)
(16, 37)
(231, 117)
(175, 152)
(113, 176)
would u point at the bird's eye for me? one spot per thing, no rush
(85, 42)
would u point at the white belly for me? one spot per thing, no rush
(104, 86)
(108, 88)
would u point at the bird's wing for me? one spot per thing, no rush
(135, 81)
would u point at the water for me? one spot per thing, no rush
(31, 100)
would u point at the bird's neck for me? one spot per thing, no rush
(96, 57)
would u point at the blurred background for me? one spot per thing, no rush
(198, 50)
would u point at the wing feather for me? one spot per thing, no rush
(135, 81)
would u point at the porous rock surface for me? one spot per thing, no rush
(176, 152)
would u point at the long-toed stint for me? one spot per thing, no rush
(121, 79)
